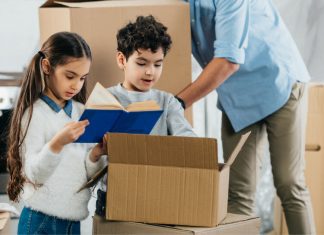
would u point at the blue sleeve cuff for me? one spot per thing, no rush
(229, 51)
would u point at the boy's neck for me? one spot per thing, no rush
(133, 88)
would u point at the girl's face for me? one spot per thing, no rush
(142, 69)
(65, 81)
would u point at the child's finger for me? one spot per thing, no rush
(80, 124)
(83, 123)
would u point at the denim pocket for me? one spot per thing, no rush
(38, 223)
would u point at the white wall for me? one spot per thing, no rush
(305, 20)
(19, 33)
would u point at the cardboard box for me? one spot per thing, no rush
(98, 22)
(167, 180)
(233, 224)
(314, 157)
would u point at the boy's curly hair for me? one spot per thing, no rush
(145, 33)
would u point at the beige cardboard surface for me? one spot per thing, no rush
(315, 157)
(232, 224)
(166, 180)
(98, 23)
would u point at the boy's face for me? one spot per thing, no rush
(142, 69)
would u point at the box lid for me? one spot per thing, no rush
(162, 150)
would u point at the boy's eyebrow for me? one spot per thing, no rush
(142, 58)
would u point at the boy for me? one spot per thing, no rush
(142, 46)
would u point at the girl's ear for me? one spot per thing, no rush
(46, 66)
(121, 60)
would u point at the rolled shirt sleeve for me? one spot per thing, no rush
(232, 27)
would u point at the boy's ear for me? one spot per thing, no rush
(46, 66)
(121, 60)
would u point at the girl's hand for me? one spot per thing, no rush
(71, 132)
(98, 150)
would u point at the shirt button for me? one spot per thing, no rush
(192, 20)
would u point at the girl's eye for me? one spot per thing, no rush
(69, 76)
(140, 64)
(83, 78)
(158, 65)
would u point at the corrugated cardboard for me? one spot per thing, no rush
(98, 22)
(314, 157)
(167, 180)
(233, 224)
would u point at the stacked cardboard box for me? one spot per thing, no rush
(233, 225)
(98, 22)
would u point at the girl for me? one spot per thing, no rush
(46, 168)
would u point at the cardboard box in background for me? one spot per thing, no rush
(98, 23)
(314, 157)
(233, 224)
(167, 180)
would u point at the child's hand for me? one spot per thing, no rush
(67, 135)
(98, 150)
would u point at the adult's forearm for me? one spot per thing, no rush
(213, 75)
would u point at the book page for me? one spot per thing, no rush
(148, 105)
(101, 98)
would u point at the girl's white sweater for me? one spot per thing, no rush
(54, 179)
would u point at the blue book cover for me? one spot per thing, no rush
(105, 114)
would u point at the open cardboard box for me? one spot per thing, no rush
(166, 179)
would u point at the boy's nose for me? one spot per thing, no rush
(149, 71)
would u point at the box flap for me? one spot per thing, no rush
(124, 3)
(237, 149)
(162, 150)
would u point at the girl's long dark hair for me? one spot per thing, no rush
(59, 49)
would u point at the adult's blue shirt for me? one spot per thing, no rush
(252, 34)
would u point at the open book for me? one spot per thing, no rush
(106, 114)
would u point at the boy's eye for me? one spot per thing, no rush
(69, 76)
(83, 78)
(140, 64)
(158, 65)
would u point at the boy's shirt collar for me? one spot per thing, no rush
(67, 108)
(122, 89)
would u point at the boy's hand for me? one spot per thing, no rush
(71, 132)
(98, 150)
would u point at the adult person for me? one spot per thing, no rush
(249, 57)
